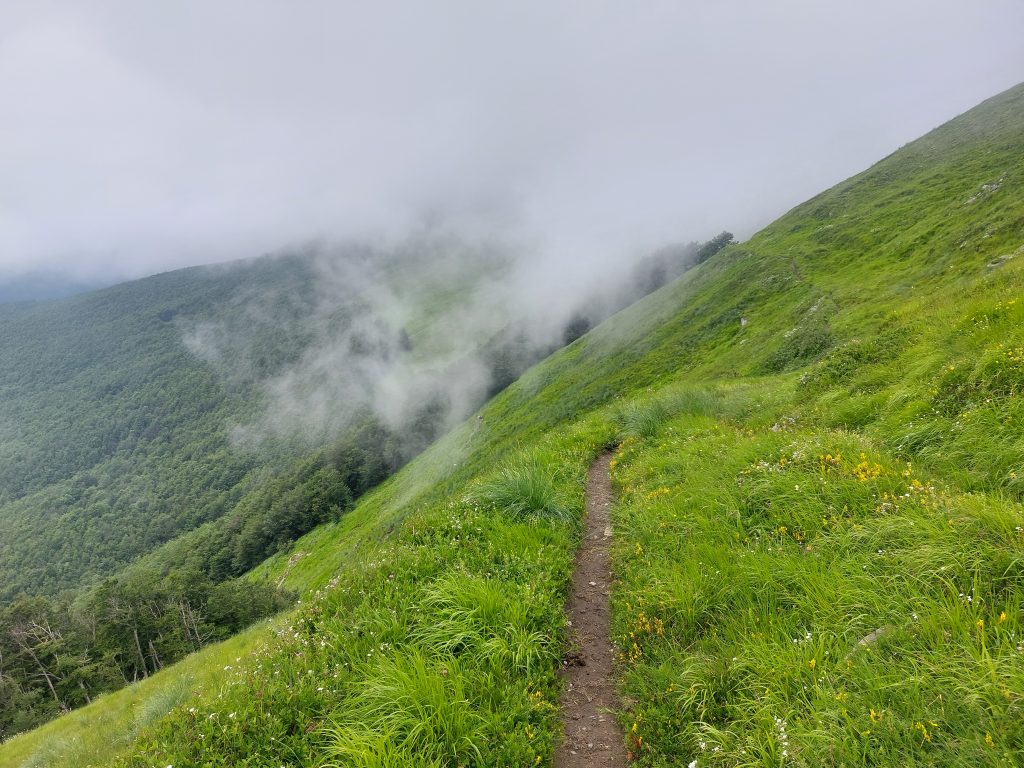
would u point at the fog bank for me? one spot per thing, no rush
(137, 138)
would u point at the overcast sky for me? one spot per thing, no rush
(141, 136)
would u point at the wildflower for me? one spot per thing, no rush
(812, 663)
(989, 740)
(924, 732)
(980, 624)
(866, 470)
(1002, 617)
(876, 717)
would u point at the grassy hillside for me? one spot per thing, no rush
(819, 550)
(120, 414)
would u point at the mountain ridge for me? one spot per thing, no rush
(817, 453)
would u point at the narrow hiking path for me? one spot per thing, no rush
(592, 734)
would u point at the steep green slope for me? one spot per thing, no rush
(790, 590)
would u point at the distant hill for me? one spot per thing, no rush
(117, 407)
(39, 286)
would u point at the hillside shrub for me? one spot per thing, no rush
(802, 345)
(842, 365)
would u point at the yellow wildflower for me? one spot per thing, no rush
(924, 731)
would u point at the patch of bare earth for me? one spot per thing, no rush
(592, 734)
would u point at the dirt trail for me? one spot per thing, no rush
(592, 735)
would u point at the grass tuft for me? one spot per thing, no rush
(411, 706)
(523, 489)
(640, 419)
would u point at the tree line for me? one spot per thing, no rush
(59, 653)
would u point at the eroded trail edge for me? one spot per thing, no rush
(592, 734)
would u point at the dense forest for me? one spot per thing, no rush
(113, 433)
(116, 427)
(57, 653)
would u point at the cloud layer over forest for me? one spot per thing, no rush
(139, 137)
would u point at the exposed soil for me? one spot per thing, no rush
(592, 734)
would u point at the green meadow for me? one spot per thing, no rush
(819, 552)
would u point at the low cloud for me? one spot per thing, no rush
(138, 138)
(417, 333)
(330, 342)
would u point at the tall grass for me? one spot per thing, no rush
(640, 419)
(780, 599)
(159, 703)
(524, 487)
(804, 598)
(643, 417)
(410, 707)
(436, 644)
